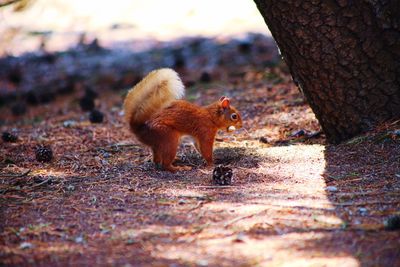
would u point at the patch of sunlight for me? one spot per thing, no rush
(266, 131)
(297, 243)
(290, 249)
(296, 153)
(184, 193)
(48, 172)
(59, 248)
(124, 20)
(150, 230)
(347, 261)
(161, 19)
(329, 220)
(287, 213)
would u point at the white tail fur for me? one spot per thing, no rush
(156, 91)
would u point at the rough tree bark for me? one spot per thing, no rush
(345, 57)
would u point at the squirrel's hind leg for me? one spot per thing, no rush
(168, 150)
(165, 152)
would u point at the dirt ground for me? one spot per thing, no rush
(294, 200)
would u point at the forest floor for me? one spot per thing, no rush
(294, 199)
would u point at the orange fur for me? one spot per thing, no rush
(162, 129)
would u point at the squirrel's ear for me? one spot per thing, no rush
(225, 102)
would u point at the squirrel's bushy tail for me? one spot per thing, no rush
(156, 91)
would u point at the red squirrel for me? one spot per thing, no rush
(158, 117)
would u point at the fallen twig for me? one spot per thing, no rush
(244, 217)
(366, 203)
(124, 144)
(14, 175)
(41, 183)
(370, 193)
(199, 205)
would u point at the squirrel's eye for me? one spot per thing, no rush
(234, 116)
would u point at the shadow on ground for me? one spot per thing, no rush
(363, 186)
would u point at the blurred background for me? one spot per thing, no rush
(28, 24)
(50, 48)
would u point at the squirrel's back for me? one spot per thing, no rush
(155, 92)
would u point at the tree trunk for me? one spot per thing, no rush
(345, 57)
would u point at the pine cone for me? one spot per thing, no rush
(44, 154)
(222, 175)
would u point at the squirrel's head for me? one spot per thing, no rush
(229, 117)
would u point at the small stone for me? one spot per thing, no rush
(79, 239)
(298, 133)
(96, 116)
(222, 175)
(9, 137)
(106, 155)
(202, 262)
(331, 188)
(363, 211)
(26, 245)
(263, 140)
(130, 241)
(105, 231)
(69, 123)
(314, 134)
(70, 187)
